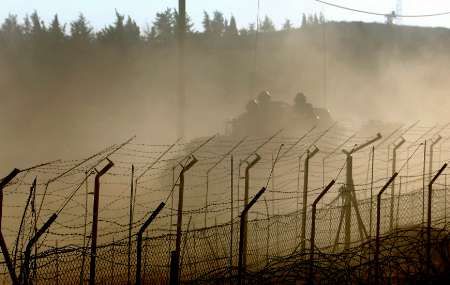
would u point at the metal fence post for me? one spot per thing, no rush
(57, 262)
(309, 155)
(445, 198)
(231, 213)
(430, 163)
(113, 258)
(350, 197)
(428, 248)
(229, 152)
(130, 224)
(175, 255)
(3, 246)
(371, 193)
(139, 242)
(313, 228)
(377, 237)
(246, 191)
(95, 221)
(243, 233)
(25, 270)
(423, 180)
(394, 161)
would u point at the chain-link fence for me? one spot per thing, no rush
(214, 191)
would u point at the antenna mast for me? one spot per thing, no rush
(398, 11)
(181, 68)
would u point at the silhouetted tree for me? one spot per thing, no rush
(37, 30)
(56, 31)
(149, 33)
(322, 18)
(304, 20)
(287, 25)
(27, 28)
(218, 24)
(207, 29)
(267, 25)
(231, 29)
(11, 32)
(189, 24)
(164, 25)
(315, 19)
(132, 32)
(114, 33)
(81, 31)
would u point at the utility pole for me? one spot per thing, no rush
(181, 74)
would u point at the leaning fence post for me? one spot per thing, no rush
(309, 155)
(95, 221)
(377, 237)
(3, 245)
(175, 255)
(313, 227)
(25, 270)
(430, 188)
(139, 242)
(243, 234)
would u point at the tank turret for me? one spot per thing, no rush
(264, 116)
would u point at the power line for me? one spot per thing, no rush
(381, 14)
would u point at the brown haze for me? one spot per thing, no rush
(368, 71)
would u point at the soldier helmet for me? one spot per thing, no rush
(264, 97)
(251, 106)
(300, 98)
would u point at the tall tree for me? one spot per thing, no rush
(287, 26)
(37, 27)
(231, 29)
(267, 25)
(114, 33)
(322, 18)
(26, 27)
(80, 30)
(56, 31)
(189, 24)
(163, 25)
(304, 20)
(11, 32)
(132, 32)
(315, 19)
(149, 33)
(218, 24)
(207, 29)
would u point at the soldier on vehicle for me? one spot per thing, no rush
(303, 110)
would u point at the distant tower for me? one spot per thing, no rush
(393, 17)
(398, 11)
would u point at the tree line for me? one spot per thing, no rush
(124, 31)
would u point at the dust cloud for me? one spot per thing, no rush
(68, 102)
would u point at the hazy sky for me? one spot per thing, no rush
(101, 12)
